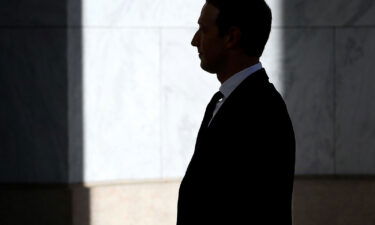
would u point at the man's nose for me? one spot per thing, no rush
(194, 40)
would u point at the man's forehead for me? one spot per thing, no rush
(208, 15)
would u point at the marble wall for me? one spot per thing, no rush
(145, 93)
(101, 93)
(33, 87)
(328, 70)
(355, 105)
(41, 92)
(98, 91)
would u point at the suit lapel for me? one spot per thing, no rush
(245, 89)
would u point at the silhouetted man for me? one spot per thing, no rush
(242, 169)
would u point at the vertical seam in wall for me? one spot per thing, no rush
(161, 144)
(334, 95)
(68, 98)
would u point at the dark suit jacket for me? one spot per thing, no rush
(242, 169)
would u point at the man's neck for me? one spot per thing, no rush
(236, 66)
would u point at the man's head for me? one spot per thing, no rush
(231, 26)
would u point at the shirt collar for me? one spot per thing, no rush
(229, 85)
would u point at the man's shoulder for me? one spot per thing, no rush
(255, 96)
(256, 85)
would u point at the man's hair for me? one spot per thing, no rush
(252, 17)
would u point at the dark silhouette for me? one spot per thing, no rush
(242, 169)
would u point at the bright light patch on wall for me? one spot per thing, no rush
(273, 54)
(139, 72)
(121, 91)
(122, 103)
(272, 59)
(136, 70)
(144, 93)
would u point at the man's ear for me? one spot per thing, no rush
(233, 37)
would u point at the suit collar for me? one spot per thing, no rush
(249, 87)
(234, 81)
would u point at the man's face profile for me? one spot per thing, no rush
(207, 40)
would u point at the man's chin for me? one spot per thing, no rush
(207, 68)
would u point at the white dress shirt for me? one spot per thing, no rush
(229, 85)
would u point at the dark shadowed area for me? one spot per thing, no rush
(41, 145)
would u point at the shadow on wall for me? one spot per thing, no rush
(328, 80)
(324, 45)
(41, 157)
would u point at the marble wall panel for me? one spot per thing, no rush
(33, 122)
(121, 104)
(272, 59)
(33, 12)
(176, 13)
(323, 13)
(181, 13)
(75, 104)
(145, 13)
(301, 66)
(186, 90)
(74, 13)
(120, 13)
(355, 110)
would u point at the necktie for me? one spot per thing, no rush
(211, 108)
